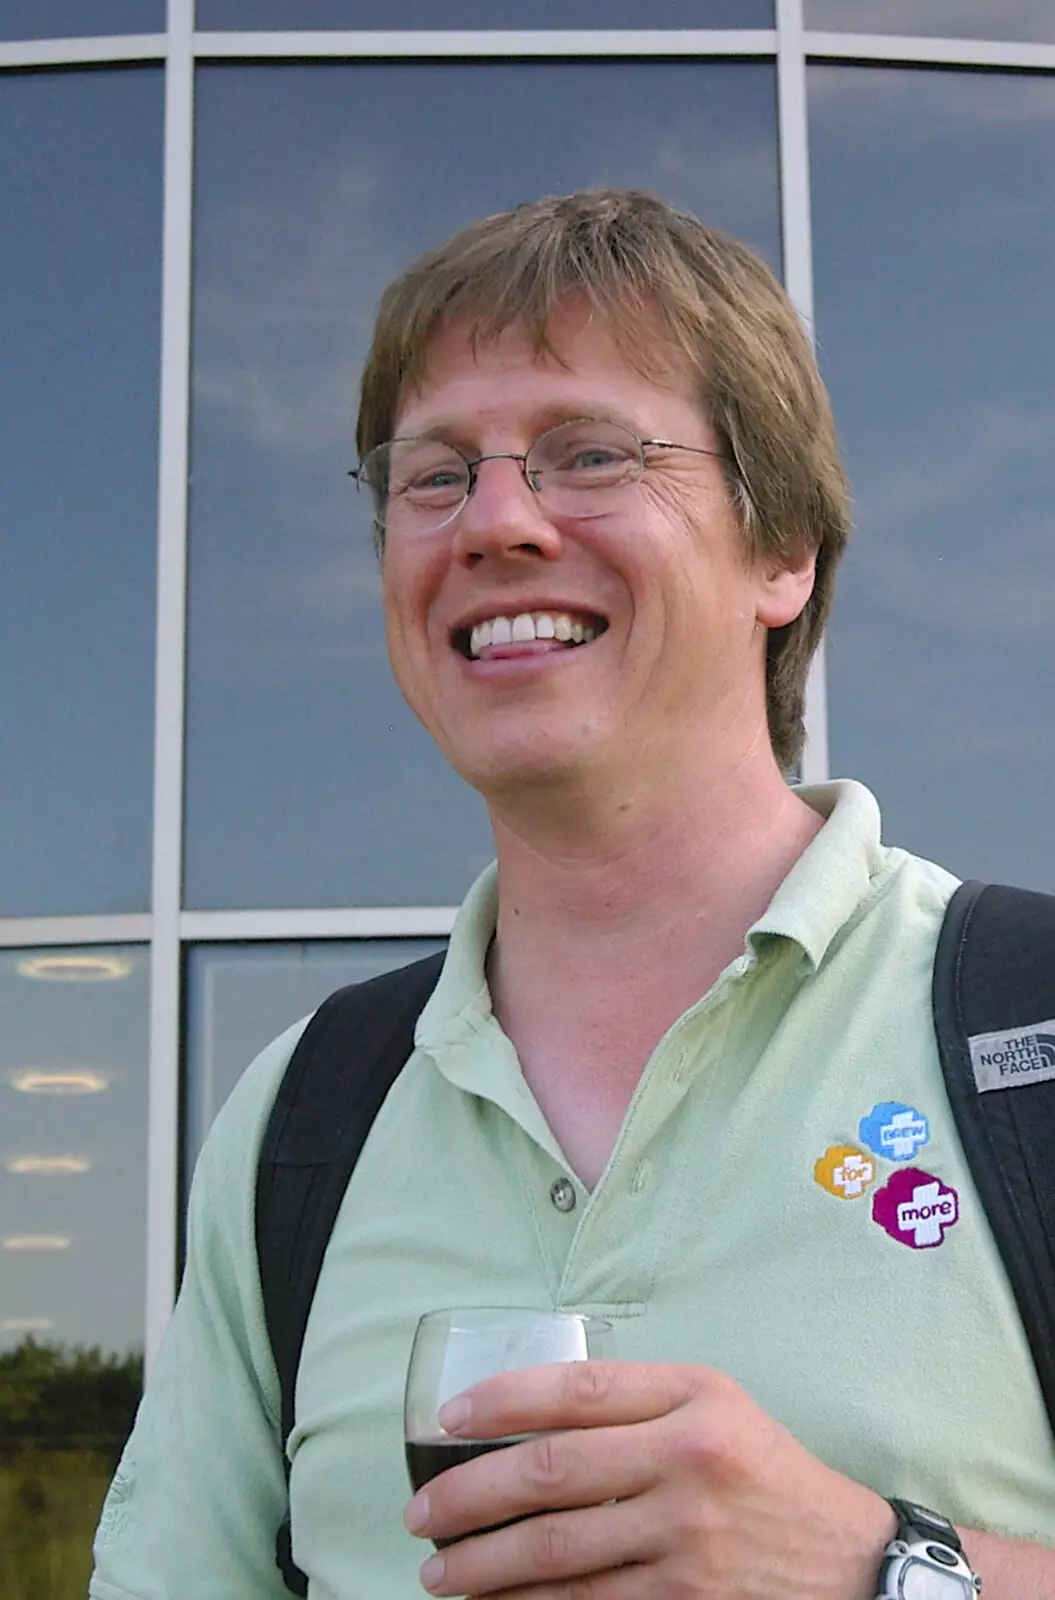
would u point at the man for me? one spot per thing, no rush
(680, 1058)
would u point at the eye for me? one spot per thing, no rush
(597, 452)
(427, 474)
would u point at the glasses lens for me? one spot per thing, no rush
(577, 467)
(417, 484)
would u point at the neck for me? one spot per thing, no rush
(630, 864)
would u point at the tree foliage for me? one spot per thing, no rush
(59, 1397)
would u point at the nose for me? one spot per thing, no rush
(503, 516)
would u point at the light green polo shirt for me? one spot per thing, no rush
(787, 1201)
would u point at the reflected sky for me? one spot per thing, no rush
(66, 19)
(1027, 20)
(427, 14)
(934, 230)
(73, 1121)
(240, 997)
(308, 781)
(80, 282)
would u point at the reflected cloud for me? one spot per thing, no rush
(959, 19)
(935, 100)
(285, 320)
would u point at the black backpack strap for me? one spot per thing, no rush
(994, 974)
(346, 1060)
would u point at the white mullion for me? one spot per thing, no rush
(796, 237)
(163, 1132)
(894, 49)
(121, 48)
(17, 933)
(495, 43)
(364, 922)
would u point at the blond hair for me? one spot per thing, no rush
(724, 319)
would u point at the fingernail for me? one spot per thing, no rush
(416, 1516)
(432, 1572)
(455, 1413)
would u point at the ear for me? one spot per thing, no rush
(784, 590)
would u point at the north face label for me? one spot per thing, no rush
(894, 1130)
(1008, 1060)
(916, 1208)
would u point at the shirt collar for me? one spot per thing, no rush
(824, 888)
(833, 875)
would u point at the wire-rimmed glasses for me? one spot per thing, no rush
(577, 469)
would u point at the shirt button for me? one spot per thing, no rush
(562, 1193)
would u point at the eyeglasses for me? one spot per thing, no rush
(578, 469)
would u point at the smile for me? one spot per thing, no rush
(561, 628)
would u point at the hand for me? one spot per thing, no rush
(670, 1483)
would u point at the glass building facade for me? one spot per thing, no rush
(215, 806)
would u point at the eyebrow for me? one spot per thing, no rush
(456, 431)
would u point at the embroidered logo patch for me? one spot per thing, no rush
(1007, 1060)
(894, 1130)
(915, 1208)
(844, 1171)
(116, 1510)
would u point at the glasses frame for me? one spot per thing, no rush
(473, 463)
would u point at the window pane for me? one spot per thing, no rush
(427, 15)
(68, 19)
(934, 230)
(242, 996)
(80, 197)
(73, 1117)
(944, 19)
(308, 781)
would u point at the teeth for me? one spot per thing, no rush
(525, 627)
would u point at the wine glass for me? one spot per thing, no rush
(454, 1349)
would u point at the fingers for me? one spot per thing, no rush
(553, 1472)
(563, 1553)
(572, 1394)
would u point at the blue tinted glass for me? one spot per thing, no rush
(73, 1179)
(80, 275)
(1028, 20)
(73, 1120)
(308, 781)
(934, 231)
(66, 19)
(240, 997)
(428, 15)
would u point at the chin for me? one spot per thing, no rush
(502, 774)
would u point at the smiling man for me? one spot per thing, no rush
(679, 1067)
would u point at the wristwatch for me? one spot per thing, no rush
(925, 1559)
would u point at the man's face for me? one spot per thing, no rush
(675, 669)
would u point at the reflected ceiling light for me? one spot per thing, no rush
(48, 1164)
(26, 1324)
(75, 969)
(36, 1241)
(42, 1080)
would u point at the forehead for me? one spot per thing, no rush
(505, 378)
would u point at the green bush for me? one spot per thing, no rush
(64, 1416)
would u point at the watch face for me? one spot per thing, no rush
(921, 1581)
